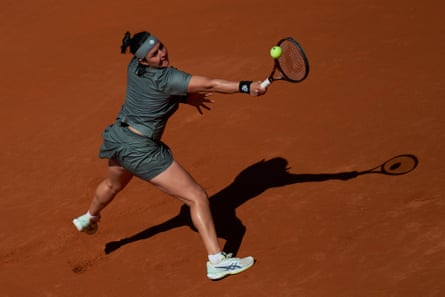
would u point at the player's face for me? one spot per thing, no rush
(157, 57)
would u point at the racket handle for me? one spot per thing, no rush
(265, 83)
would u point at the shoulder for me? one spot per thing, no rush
(175, 71)
(174, 81)
(170, 74)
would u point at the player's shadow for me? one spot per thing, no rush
(250, 183)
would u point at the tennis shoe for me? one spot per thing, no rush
(228, 265)
(87, 223)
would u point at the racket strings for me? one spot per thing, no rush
(293, 64)
(400, 165)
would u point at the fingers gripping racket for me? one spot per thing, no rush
(291, 66)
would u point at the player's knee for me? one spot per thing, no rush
(113, 188)
(198, 198)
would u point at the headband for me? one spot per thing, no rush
(146, 47)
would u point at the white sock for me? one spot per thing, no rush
(90, 216)
(216, 258)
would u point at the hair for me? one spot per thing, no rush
(133, 42)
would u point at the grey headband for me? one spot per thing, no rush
(146, 47)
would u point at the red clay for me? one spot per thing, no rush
(375, 91)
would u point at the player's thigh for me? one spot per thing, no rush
(176, 181)
(118, 176)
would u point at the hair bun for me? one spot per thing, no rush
(125, 42)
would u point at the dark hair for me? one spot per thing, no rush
(133, 42)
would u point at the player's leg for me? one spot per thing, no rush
(117, 179)
(176, 181)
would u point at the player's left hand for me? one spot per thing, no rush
(199, 100)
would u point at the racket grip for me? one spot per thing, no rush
(265, 83)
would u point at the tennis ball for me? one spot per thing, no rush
(276, 51)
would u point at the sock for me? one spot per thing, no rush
(216, 258)
(90, 216)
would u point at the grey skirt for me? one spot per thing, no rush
(142, 156)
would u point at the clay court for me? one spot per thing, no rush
(277, 167)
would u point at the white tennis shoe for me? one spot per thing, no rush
(228, 266)
(87, 223)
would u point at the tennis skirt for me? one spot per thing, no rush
(142, 156)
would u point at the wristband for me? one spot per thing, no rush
(244, 86)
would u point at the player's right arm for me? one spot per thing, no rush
(202, 84)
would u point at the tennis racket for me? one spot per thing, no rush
(398, 165)
(291, 66)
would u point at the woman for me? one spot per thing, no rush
(133, 143)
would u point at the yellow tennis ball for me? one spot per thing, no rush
(276, 51)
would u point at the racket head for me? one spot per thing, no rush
(399, 165)
(293, 63)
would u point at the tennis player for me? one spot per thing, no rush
(133, 146)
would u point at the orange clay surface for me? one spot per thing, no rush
(271, 164)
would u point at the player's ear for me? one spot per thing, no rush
(143, 62)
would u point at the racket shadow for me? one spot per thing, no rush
(249, 183)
